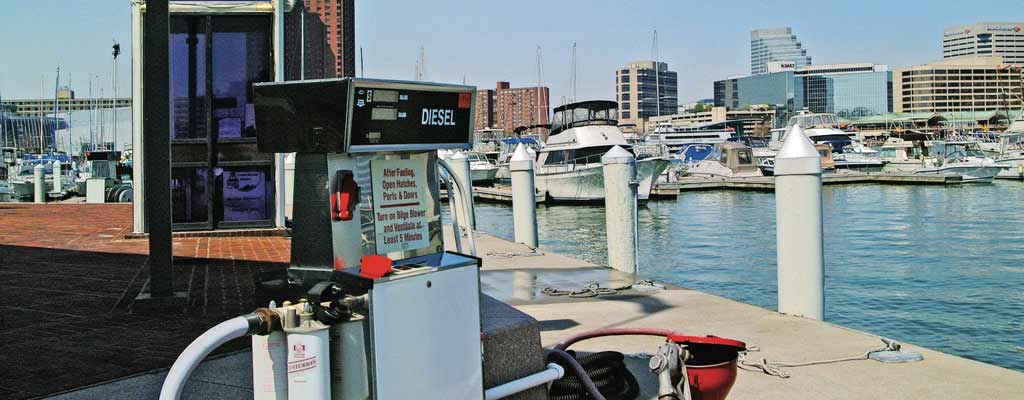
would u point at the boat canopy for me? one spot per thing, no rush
(737, 156)
(516, 140)
(594, 112)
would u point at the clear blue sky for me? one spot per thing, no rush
(487, 41)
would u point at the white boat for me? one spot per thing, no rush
(481, 169)
(729, 160)
(22, 182)
(902, 155)
(848, 150)
(569, 164)
(961, 158)
(1010, 149)
(675, 138)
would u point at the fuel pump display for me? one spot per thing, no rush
(367, 248)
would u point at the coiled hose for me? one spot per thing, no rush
(597, 376)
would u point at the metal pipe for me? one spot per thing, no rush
(458, 186)
(552, 373)
(798, 221)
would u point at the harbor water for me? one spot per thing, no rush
(939, 267)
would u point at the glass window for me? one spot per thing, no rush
(188, 77)
(241, 57)
(189, 198)
(744, 157)
(246, 191)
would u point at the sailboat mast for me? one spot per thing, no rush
(56, 107)
(540, 83)
(657, 80)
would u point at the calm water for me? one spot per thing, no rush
(939, 267)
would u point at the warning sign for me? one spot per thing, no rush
(399, 205)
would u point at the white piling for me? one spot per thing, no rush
(798, 221)
(620, 208)
(40, 187)
(58, 185)
(524, 197)
(461, 171)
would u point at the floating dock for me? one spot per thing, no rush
(767, 183)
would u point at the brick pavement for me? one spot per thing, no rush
(67, 280)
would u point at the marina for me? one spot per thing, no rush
(259, 206)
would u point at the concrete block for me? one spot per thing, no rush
(512, 347)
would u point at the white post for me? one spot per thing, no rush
(798, 222)
(460, 170)
(138, 162)
(620, 208)
(524, 197)
(58, 186)
(40, 188)
(280, 197)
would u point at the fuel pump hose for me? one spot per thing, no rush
(259, 322)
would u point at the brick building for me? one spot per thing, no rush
(329, 41)
(507, 108)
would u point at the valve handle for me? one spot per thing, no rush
(344, 195)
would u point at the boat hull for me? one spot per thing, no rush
(585, 183)
(483, 175)
(1015, 168)
(969, 173)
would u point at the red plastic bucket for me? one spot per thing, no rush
(711, 371)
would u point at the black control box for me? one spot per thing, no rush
(362, 115)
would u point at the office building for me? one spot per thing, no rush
(775, 45)
(1002, 39)
(45, 106)
(320, 39)
(961, 84)
(645, 89)
(846, 90)
(508, 108)
(756, 120)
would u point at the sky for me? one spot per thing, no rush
(487, 41)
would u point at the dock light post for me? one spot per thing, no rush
(798, 222)
(524, 197)
(620, 186)
(460, 169)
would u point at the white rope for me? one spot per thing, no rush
(774, 368)
(510, 254)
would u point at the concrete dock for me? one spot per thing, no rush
(515, 274)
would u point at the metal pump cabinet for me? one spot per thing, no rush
(366, 184)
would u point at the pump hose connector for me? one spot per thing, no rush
(262, 321)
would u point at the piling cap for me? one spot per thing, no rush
(521, 160)
(618, 155)
(798, 155)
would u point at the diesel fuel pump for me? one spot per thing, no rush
(372, 306)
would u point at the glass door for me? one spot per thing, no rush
(219, 179)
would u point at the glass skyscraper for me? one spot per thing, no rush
(847, 90)
(775, 44)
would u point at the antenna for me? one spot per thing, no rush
(421, 65)
(362, 66)
(572, 75)
(540, 83)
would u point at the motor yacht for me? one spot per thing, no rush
(568, 166)
(848, 150)
(729, 160)
(481, 169)
(960, 158)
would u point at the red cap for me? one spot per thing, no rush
(375, 266)
(708, 340)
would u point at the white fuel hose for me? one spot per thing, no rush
(198, 350)
(552, 373)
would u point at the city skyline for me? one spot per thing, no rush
(703, 42)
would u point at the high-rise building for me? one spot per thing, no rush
(645, 89)
(848, 90)
(775, 44)
(508, 108)
(1003, 39)
(324, 32)
(962, 84)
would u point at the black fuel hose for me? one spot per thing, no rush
(596, 376)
